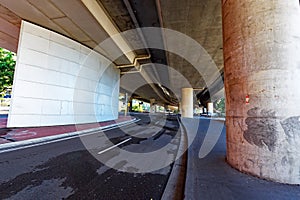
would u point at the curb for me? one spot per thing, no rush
(7, 147)
(214, 118)
(174, 189)
(219, 119)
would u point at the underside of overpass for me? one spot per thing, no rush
(200, 20)
(181, 52)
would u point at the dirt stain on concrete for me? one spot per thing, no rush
(261, 128)
(291, 126)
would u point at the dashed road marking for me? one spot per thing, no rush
(112, 147)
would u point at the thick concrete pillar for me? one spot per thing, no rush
(179, 108)
(261, 53)
(204, 110)
(210, 108)
(187, 102)
(152, 106)
(126, 104)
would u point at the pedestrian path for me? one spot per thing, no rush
(212, 178)
(8, 135)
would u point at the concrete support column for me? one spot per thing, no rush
(152, 106)
(126, 104)
(210, 108)
(262, 70)
(187, 102)
(179, 108)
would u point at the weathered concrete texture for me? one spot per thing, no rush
(261, 131)
(201, 20)
(261, 53)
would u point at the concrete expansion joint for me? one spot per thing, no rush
(176, 183)
(56, 138)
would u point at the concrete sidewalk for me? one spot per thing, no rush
(11, 135)
(212, 178)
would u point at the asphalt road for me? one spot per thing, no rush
(73, 169)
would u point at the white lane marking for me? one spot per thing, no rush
(62, 139)
(155, 134)
(112, 147)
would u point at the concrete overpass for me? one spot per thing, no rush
(71, 72)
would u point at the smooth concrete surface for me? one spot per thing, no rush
(202, 21)
(261, 53)
(175, 186)
(152, 106)
(9, 29)
(187, 103)
(212, 178)
(59, 81)
(210, 107)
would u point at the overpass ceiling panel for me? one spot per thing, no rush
(8, 42)
(30, 12)
(119, 14)
(201, 20)
(134, 41)
(146, 13)
(107, 51)
(68, 17)
(135, 85)
(71, 28)
(158, 73)
(78, 14)
(10, 16)
(47, 8)
(121, 18)
(92, 44)
(147, 16)
(9, 29)
(198, 19)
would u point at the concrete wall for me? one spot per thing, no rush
(59, 81)
(261, 54)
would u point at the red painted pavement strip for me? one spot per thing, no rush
(3, 141)
(19, 134)
(3, 122)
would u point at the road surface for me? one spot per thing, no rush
(74, 169)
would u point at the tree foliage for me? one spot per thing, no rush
(220, 105)
(7, 68)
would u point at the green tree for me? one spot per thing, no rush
(220, 105)
(7, 68)
(135, 108)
